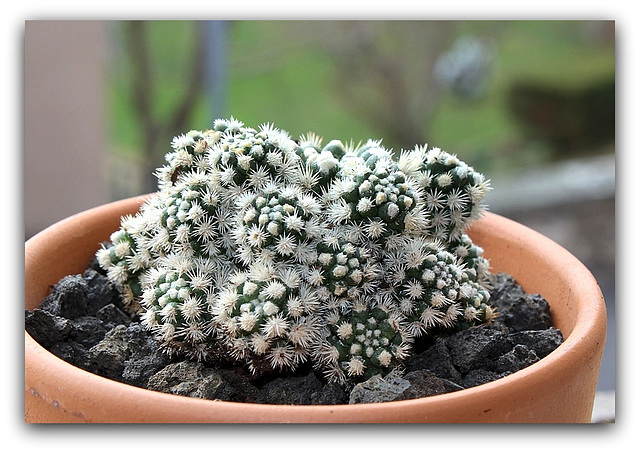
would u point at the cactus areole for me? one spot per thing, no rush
(278, 252)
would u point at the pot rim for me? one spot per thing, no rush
(589, 326)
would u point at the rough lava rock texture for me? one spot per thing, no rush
(83, 323)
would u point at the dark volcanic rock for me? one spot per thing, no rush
(109, 355)
(451, 386)
(331, 393)
(100, 292)
(143, 363)
(198, 381)
(88, 330)
(83, 322)
(541, 341)
(128, 351)
(112, 316)
(45, 328)
(516, 359)
(476, 348)
(378, 389)
(437, 359)
(505, 288)
(291, 390)
(68, 298)
(480, 376)
(518, 311)
(422, 383)
(71, 352)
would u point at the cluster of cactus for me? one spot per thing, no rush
(278, 252)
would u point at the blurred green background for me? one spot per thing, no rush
(500, 94)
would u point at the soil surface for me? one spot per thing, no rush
(82, 321)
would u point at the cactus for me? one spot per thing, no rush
(365, 341)
(453, 191)
(275, 252)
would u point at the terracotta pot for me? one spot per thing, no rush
(558, 388)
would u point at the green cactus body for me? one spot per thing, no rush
(279, 252)
(453, 191)
(251, 159)
(320, 164)
(269, 318)
(476, 265)
(474, 304)
(124, 260)
(347, 270)
(279, 220)
(373, 192)
(362, 343)
(177, 308)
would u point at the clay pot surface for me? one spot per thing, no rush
(558, 388)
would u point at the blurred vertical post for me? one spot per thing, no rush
(149, 89)
(215, 36)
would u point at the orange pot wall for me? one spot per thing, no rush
(559, 388)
